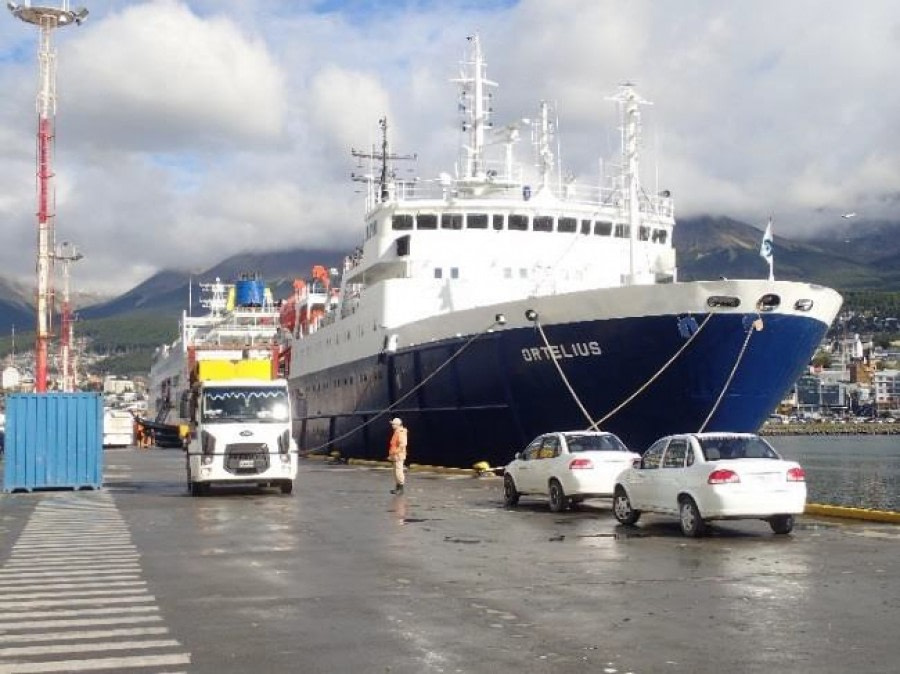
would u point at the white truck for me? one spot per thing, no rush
(240, 433)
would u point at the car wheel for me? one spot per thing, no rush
(510, 495)
(622, 508)
(782, 524)
(692, 523)
(287, 487)
(557, 497)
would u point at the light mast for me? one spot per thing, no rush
(67, 254)
(47, 19)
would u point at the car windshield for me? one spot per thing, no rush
(262, 404)
(725, 447)
(584, 442)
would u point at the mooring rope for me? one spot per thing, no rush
(656, 376)
(593, 425)
(537, 324)
(406, 395)
(756, 325)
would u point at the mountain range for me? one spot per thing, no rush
(857, 256)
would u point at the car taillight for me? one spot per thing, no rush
(580, 464)
(723, 476)
(796, 475)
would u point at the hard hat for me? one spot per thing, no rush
(396, 421)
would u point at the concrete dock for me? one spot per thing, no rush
(344, 577)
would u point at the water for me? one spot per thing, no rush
(861, 471)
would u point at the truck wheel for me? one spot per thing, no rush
(287, 487)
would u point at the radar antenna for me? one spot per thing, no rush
(384, 157)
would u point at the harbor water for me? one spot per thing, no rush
(861, 471)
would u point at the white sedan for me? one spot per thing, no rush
(567, 467)
(712, 476)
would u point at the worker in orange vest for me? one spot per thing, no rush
(397, 453)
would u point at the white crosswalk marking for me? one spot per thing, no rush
(72, 598)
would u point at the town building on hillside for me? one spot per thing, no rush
(887, 389)
(10, 380)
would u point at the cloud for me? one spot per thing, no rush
(191, 130)
(157, 76)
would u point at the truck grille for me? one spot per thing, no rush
(246, 458)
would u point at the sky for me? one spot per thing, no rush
(191, 130)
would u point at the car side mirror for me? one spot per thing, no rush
(636, 463)
(519, 456)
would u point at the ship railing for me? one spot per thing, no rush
(511, 194)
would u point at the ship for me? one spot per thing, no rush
(504, 299)
(241, 326)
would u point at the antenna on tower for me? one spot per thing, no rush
(383, 158)
(47, 19)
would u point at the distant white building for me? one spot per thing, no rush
(11, 379)
(117, 386)
(887, 389)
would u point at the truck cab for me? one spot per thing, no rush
(241, 433)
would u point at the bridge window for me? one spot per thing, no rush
(602, 228)
(644, 233)
(498, 222)
(585, 226)
(426, 221)
(438, 272)
(476, 221)
(402, 221)
(567, 225)
(542, 223)
(623, 231)
(454, 272)
(660, 236)
(451, 221)
(518, 223)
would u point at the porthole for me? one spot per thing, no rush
(803, 305)
(723, 302)
(768, 302)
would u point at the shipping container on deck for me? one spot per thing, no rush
(53, 441)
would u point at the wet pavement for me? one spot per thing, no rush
(344, 577)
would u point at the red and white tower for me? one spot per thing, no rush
(47, 19)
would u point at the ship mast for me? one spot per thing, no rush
(384, 157)
(474, 103)
(631, 180)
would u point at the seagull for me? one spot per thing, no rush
(847, 216)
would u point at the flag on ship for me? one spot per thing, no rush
(766, 250)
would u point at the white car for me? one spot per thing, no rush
(567, 467)
(712, 476)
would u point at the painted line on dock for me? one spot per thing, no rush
(72, 598)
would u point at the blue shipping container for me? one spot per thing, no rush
(53, 441)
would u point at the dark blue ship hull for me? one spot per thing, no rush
(504, 389)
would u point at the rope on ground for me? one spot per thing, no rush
(755, 325)
(406, 395)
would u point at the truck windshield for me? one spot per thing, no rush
(245, 403)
